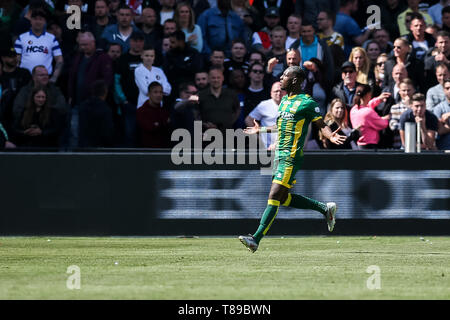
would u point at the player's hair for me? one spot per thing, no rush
(361, 91)
(170, 20)
(299, 73)
(153, 85)
(418, 97)
(39, 12)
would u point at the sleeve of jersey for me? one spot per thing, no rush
(18, 46)
(56, 49)
(314, 110)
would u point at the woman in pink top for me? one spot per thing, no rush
(364, 117)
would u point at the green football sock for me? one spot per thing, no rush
(301, 202)
(267, 219)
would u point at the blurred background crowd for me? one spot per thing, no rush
(126, 74)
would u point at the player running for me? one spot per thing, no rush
(295, 113)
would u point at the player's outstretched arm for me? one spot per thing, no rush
(258, 129)
(333, 136)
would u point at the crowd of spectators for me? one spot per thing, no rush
(127, 73)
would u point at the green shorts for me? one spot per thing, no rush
(284, 170)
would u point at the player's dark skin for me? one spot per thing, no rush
(292, 83)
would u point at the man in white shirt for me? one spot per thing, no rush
(38, 47)
(266, 113)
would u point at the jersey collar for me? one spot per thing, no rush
(32, 34)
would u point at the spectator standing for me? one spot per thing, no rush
(121, 31)
(403, 55)
(363, 116)
(152, 29)
(114, 51)
(413, 7)
(220, 26)
(293, 26)
(278, 50)
(185, 19)
(39, 125)
(102, 18)
(390, 10)
(261, 39)
(443, 56)
(167, 10)
(406, 92)
(381, 36)
(217, 59)
(325, 22)
(219, 106)
(88, 66)
(256, 91)
(38, 47)
(362, 63)
(442, 112)
(436, 94)
(126, 92)
(347, 26)
(237, 59)
(238, 82)
(285, 7)
(435, 11)
(96, 119)
(185, 110)
(153, 120)
(446, 19)
(311, 46)
(12, 79)
(345, 90)
(182, 61)
(418, 38)
(427, 121)
(266, 114)
(145, 73)
(201, 79)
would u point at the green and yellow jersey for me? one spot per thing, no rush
(295, 113)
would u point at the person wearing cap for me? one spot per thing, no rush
(12, 79)
(285, 8)
(345, 90)
(261, 40)
(38, 47)
(220, 26)
(121, 31)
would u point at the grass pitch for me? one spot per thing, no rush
(288, 268)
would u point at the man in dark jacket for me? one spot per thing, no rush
(181, 62)
(346, 89)
(96, 119)
(89, 65)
